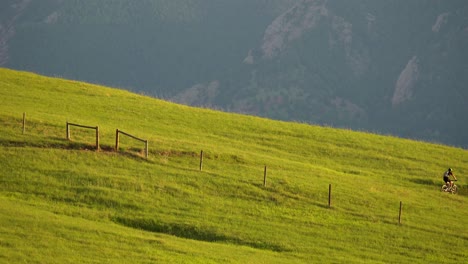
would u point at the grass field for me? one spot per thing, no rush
(63, 202)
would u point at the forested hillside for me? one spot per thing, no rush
(392, 67)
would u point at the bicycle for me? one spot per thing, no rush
(447, 188)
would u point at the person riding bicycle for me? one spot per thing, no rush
(447, 175)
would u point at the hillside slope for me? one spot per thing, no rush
(393, 67)
(62, 201)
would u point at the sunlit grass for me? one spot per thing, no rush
(62, 201)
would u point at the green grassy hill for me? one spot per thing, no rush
(63, 202)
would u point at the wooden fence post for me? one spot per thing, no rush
(399, 215)
(146, 149)
(83, 126)
(329, 195)
(264, 176)
(201, 160)
(117, 139)
(68, 131)
(24, 122)
(118, 132)
(97, 138)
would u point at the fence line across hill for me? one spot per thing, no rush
(118, 132)
(117, 140)
(87, 127)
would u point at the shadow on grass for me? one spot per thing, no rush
(435, 232)
(279, 193)
(59, 143)
(425, 182)
(462, 190)
(53, 143)
(192, 232)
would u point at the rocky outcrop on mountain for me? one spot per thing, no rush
(308, 15)
(199, 94)
(291, 25)
(441, 20)
(406, 82)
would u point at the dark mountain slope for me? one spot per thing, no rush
(390, 67)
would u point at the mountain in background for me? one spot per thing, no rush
(392, 67)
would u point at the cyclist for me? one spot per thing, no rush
(447, 175)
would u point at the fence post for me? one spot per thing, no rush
(329, 195)
(68, 131)
(117, 135)
(201, 160)
(264, 176)
(97, 138)
(399, 215)
(24, 122)
(146, 149)
(117, 140)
